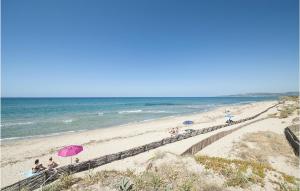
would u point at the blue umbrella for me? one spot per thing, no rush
(229, 116)
(188, 122)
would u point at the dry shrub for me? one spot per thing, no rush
(290, 98)
(64, 183)
(236, 171)
(287, 109)
(244, 174)
(172, 175)
(179, 174)
(175, 176)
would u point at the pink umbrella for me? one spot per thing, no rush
(70, 151)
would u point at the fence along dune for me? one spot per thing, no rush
(209, 140)
(292, 139)
(46, 177)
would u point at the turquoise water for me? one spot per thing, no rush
(27, 117)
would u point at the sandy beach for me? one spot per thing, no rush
(150, 95)
(110, 140)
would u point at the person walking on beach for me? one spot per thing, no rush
(37, 166)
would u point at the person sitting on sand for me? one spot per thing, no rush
(172, 132)
(52, 164)
(37, 166)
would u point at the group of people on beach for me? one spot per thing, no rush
(228, 115)
(174, 131)
(38, 167)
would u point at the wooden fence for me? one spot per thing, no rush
(209, 140)
(292, 139)
(46, 177)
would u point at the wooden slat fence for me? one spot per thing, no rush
(209, 140)
(292, 139)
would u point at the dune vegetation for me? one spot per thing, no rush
(171, 172)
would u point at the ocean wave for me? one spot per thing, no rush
(68, 121)
(156, 111)
(16, 124)
(159, 104)
(130, 111)
(201, 106)
(247, 102)
(143, 111)
(146, 120)
(100, 113)
(41, 136)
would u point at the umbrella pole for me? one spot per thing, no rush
(71, 160)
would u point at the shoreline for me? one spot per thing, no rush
(9, 139)
(100, 142)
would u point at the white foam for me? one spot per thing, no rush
(15, 124)
(68, 121)
(157, 111)
(130, 111)
(146, 120)
(201, 106)
(41, 136)
(100, 113)
(143, 111)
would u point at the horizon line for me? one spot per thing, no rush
(231, 95)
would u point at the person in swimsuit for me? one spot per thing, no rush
(52, 164)
(172, 132)
(37, 166)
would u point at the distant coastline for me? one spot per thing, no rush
(294, 93)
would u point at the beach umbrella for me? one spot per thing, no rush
(229, 116)
(70, 151)
(188, 122)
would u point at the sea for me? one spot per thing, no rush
(23, 118)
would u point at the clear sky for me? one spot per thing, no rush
(148, 47)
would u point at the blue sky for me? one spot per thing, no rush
(148, 47)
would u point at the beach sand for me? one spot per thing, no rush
(263, 141)
(18, 156)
